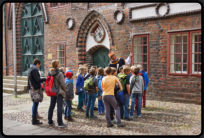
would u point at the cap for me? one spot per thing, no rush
(111, 54)
(68, 75)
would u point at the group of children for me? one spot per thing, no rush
(106, 84)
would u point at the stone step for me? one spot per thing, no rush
(22, 82)
(11, 85)
(18, 78)
(11, 90)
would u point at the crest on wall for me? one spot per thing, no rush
(79, 6)
(98, 32)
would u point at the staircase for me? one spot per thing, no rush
(8, 84)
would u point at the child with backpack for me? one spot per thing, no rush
(69, 96)
(108, 84)
(100, 75)
(137, 89)
(80, 87)
(91, 84)
(124, 80)
(86, 75)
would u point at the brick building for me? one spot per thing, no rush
(164, 37)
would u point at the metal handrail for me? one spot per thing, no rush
(10, 65)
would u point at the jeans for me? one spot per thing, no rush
(90, 104)
(68, 107)
(110, 100)
(137, 96)
(85, 98)
(80, 98)
(111, 112)
(53, 100)
(35, 109)
(121, 112)
(143, 100)
(126, 112)
(100, 105)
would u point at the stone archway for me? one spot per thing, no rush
(90, 19)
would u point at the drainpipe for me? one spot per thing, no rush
(5, 38)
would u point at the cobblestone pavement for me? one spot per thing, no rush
(158, 118)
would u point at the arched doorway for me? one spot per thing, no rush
(32, 36)
(100, 58)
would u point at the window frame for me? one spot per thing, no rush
(191, 33)
(61, 43)
(141, 35)
(189, 53)
(59, 6)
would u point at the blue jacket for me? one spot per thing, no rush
(80, 80)
(146, 79)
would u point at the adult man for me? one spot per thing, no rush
(118, 62)
(34, 85)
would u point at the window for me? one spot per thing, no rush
(60, 52)
(57, 5)
(141, 51)
(184, 53)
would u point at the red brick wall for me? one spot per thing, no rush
(161, 86)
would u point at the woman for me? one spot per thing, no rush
(60, 84)
(35, 90)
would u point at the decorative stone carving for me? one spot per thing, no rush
(157, 9)
(98, 32)
(119, 16)
(70, 23)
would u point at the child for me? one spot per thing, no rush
(114, 73)
(146, 81)
(100, 75)
(84, 102)
(126, 92)
(69, 96)
(136, 88)
(66, 81)
(79, 86)
(108, 84)
(92, 94)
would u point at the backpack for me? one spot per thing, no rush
(121, 99)
(100, 84)
(122, 80)
(50, 88)
(88, 84)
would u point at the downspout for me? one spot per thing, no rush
(44, 12)
(5, 38)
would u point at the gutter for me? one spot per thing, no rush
(5, 38)
(44, 12)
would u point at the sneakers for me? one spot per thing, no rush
(70, 119)
(93, 116)
(113, 121)
(72, 113)
(99, 113)
(110, 125)
(128, 119)
(52, 124)
(102, 113)
(131, 117)
(62, 125)
(86, 116)
(81, 110)
(139, 115)
(120, 125)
